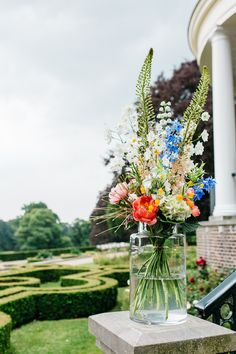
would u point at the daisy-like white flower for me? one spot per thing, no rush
(199, 148)
(205, 116)
(151, 136)
(147, 154)
(204, 135)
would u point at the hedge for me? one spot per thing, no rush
(83, 292)
(8, 282)
(5, 332)
(19, 255)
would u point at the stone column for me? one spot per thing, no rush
(224, 125)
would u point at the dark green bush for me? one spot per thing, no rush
(5, 332)
(18, 255)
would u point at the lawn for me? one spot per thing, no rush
(54, 337)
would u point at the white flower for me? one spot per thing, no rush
(147, 154)
(132, 157)
(205, 116)
(165, 161)
(163, 122)
(167, 109)
(117, 164)
(108, 136)
(147, 182)
(119, 150)
(151, 136)
(167, 186)
(204, 135)
(161, 109)
(199, 148)
(162, 103)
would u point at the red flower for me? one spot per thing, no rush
(192, 280)
(201, 262)
(145, 210)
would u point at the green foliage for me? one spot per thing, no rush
(39, 228)
(27, 208)
(145, 108)
(8, 282)
(7, 240)
(80, 232)
(5, 332)
(103, 260)
(18, 255)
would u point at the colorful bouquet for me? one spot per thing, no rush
(158, 181)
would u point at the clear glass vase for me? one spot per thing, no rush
(157, 278)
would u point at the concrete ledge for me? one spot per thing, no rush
(117, 334)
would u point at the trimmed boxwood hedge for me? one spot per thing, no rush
(19, 255)
(8, 282)
(83, 292)
(5, 332)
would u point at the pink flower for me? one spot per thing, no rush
(195, 211)
(118, 192)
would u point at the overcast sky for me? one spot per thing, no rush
(67, 69)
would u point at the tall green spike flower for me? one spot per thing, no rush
(145, 108)
(193, 113)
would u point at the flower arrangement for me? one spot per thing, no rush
(158, 181)
(153, 154)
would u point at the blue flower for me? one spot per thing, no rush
(198, 192)
(209, 183)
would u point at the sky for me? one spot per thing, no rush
(67, 70)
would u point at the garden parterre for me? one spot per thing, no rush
(83, 292)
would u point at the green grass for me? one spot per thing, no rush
(51, 284)
(54, 337)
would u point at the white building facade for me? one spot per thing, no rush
(212, 38)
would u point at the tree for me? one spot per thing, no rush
(34, 205)
(80, 232)
(39, 228)
(7, 239)
(99, 230)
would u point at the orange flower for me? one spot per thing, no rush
(145, 210)
(189, 202)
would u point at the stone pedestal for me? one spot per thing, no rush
(117, 334)
(216, 242)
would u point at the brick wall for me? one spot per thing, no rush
(217, 244)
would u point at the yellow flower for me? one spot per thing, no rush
(142, 189)
(201, 185)
(179, 197)
(157, 202)
(160, 191)
(190, 183)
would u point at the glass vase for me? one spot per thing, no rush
(157, 278)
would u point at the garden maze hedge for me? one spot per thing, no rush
(83, 292)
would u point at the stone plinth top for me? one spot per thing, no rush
(116, 333)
